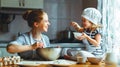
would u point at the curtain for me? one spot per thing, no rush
(110, 10)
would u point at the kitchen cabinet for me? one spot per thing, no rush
(31, 4)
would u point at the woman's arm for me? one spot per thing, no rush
(13, 48)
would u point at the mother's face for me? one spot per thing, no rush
(43, 24)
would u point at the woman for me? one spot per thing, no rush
(91, 18)
(26, 44)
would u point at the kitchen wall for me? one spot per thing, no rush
(89, 3)
(61, 13)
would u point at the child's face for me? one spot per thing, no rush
(86, 23)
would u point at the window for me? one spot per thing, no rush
(110, 10)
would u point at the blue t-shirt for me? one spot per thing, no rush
(27, 39)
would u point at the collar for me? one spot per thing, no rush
(32, 40)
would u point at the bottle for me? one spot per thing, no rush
(19, 33)
(111, 57)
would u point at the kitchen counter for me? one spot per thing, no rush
(67, 45)
(3, 51)
(3, 45)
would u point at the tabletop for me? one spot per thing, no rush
(74, 65)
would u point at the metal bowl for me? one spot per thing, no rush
(49, 53)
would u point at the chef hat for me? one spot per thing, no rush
(92, 15)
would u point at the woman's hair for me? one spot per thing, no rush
(32, 16)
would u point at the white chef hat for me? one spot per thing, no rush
(92, 14)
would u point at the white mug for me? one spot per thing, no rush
(81, 59)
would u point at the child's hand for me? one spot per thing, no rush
(69, 57)
(66, 57)
(83, 36)
(75, 25)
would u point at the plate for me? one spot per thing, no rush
(59, 62)
(28, 64)
(33, 63)
(63, 63)
(60, 65)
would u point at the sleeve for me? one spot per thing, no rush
(97, 32)
(19, 40)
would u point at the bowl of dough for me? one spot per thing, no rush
(94, 60)
(77, 34)
(49, 53)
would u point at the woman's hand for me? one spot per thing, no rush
(37, 45)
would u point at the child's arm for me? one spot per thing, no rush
(76, 26)
(70, 57)
(67, 57)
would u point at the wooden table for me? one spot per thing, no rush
(75, 65)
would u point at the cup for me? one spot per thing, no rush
(81, 60)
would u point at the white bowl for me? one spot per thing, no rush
(49, 53)
(77, 34)
(94, 60)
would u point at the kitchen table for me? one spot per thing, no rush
(74, 65)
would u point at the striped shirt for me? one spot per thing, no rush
(90, 47)
(91, 34)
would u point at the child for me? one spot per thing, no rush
(90, 35)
